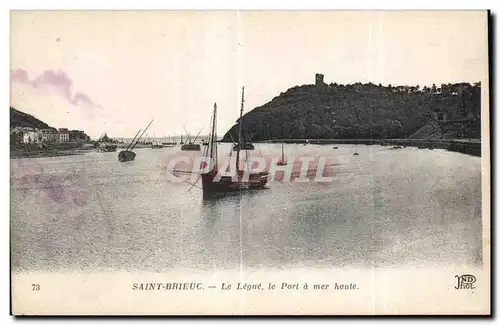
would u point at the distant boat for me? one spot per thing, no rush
(169, 143)
(282, 161)
(335, 147)
(191, 145)
(106, 147)
(244, 146)
(215, 188)
(109, 147)
(128, 154)
(155, 144)
(103, 144)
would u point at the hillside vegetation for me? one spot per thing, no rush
(18, 118)
(360, 111)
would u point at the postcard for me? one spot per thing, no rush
(242, 162)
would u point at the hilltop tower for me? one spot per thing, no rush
(320, 80)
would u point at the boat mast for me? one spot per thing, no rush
(197, 136)
(213, 135)
(141, 135)
(188, 136)
(132, 140)
(239, 129)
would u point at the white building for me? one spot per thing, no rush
(50, 135)
(63, 135)
(32, 136)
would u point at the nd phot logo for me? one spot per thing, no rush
(465, 281)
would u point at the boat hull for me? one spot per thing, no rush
(226, 184)
(244, 146)
(191, 147)
(126, 155)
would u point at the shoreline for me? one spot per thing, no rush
(46, 154)
(465, 146)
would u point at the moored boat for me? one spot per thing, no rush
(244, 146)
(215, 186)
(190, 145)
(128, 154)
(282, 160)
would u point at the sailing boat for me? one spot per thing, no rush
(190, 145)
(155, 144)
(169, 143)
(356, 150)
(282, 161)
(215, 188)
(103, 144)
(128, 154)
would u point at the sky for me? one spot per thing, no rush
(114, 71)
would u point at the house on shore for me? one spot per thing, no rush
(63, 135)
(20, 134)
(25, 135)
(50, 135)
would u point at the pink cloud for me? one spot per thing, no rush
(57, 80)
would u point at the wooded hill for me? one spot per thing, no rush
(18, 118)
(361, 111)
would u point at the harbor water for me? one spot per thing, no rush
(382, 208)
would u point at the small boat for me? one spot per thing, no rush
(155, 144)
(356, 150)
(191, 145)
(244, 146)
(169, 143)
(106, 147)
(282, 161)
(103, 144)
(128, 154)
(335, 147)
